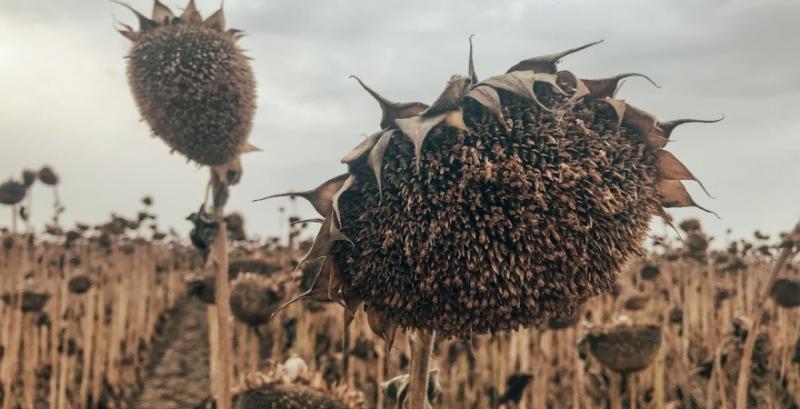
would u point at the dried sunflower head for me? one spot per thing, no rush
(255, 297)
(48, 176)
(786, 292)
(29, 177)
(506, 201)
(626, 348)
(192, 83)
(12, 192)
(292, 386)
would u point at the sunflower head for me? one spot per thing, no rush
(12, 192)
(625, 348)
(193, 85)
(292, 386)
(504, 202)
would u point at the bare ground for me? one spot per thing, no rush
(177, 375)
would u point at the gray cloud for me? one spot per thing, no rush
(65, 99)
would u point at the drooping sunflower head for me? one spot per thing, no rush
(192, 83)
(508, 200)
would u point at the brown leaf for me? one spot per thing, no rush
(521, 83)
(128, 31)
(669, 126)
(471, 68)
(669, 167)
(417, 128)
(642, 122)
(190, 13)
(320, 197)
(674, 194)
(488, 97)
(392, 111)
(216, 21)
(324, 288)
(144, 22)
(618, 105)
(547, 63)
(362, 148)
(348, 183)
(450, 99)
(162, 14)
(607, 87)
(375, 159)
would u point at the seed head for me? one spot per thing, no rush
(192, 83)
(505, 202)
(12, 192)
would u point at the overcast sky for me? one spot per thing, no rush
(64, 98)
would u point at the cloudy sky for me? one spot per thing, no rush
(64, 99)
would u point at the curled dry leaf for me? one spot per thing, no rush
(392, 111)
(320, 197)
(547, 63)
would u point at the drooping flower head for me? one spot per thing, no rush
(508, 200)
(192, 83)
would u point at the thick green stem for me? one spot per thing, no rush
(420, 374)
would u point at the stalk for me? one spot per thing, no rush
(743, 382)
(421, 352)
(219, 254)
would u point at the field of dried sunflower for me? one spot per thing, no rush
(491, 249)
(109, 319)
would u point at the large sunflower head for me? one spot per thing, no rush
(506, 201)
(193, 85)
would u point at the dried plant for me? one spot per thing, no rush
(505, 201)
(192, 83)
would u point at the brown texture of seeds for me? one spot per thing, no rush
(12, 192)
(626, 349)
(498, 229)
(502, 204)
(193, 85)
(786, 293)
(254, 298)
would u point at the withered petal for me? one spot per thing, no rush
(607, 87)
(669, 126)
(362, 148)
(669, 167)
(488, 97)
(547, 63)
(162, 15)
(392, 111)
(416, 129)
(375, 158)
(144, 22)
(674, 194)
(320, 197)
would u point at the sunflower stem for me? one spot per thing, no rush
(14, 219)
(219, 256)
(743, 381)
(421, 352)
